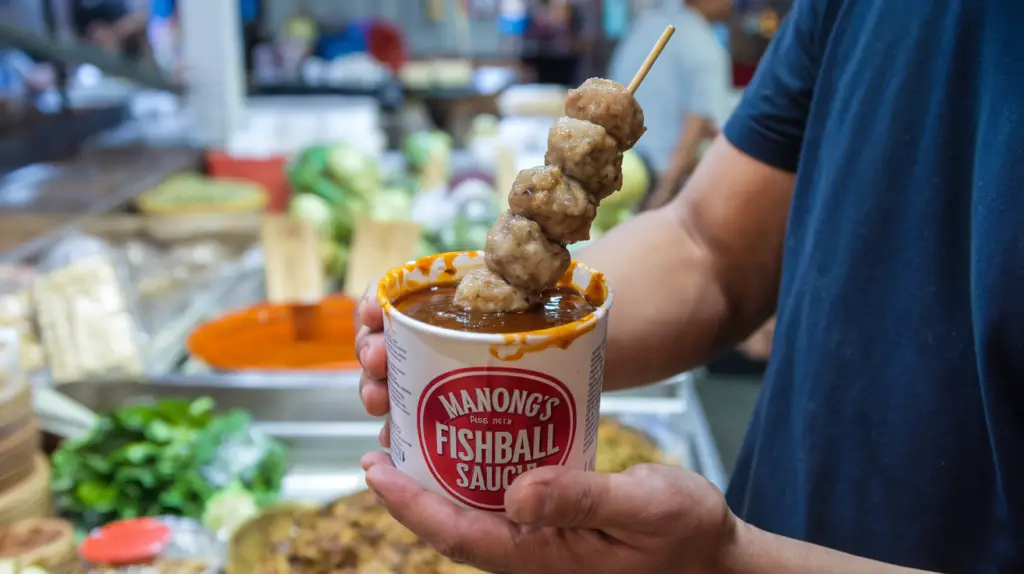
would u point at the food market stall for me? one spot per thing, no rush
(245, 454)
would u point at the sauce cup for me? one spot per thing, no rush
(470, 412)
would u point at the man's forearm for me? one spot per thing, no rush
(755, 551)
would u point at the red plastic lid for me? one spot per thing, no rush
(135, 541)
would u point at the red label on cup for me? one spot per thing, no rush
(482, 427)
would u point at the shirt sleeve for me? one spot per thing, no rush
(769, 122)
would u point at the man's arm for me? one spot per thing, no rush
(758, 552)
(698, 275)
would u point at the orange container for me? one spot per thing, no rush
(263, 338)
(268, 172)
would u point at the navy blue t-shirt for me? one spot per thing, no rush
(891, 423)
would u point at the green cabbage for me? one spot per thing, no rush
(635, 181)
(392, 204)
(317, 211)
(420, 147)
(354, 170)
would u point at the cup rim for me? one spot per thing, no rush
(390, 311)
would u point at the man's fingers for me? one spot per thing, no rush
(373, 354)
(374, 394)
(482, 539)
(556, 496)
(369, 313)
(384, 438)
(372, 459)
(622, 505)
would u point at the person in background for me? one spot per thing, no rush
(165, 24)
(551, 42)
(115, 25)
(686, 97)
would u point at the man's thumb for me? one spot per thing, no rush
(559, 497)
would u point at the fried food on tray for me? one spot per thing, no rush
(356, 535)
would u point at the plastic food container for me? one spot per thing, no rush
(39, 545)
(152, 546)
(471, 412)
(264, 337)
(269, 172)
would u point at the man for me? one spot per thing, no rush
(686, 96)
(112, 24)
(551, 41)
(869, 186)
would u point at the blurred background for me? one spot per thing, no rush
(145, 145)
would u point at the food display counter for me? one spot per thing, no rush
(326, 431)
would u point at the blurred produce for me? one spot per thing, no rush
(468, 231)
(621, 205)
(422, 147)
(171, 457)
(334, 186)
(392, 203)
(229, 509)
(189, 193)
(356, 534)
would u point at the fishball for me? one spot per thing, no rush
(585, 152)
(610, 105)
(559, 204)
(485, 291)
(519, 251)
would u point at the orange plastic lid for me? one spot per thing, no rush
(125, 542)
(263, 337)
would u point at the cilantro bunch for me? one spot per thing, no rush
(168, 458)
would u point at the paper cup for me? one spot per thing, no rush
(471, 412)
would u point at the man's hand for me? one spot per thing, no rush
(649, 519)
(373, 383)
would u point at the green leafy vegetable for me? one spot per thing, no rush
(229, 508)
(317, 211)
(421, 147)
(170, 457)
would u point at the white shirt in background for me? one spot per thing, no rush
(691, 76)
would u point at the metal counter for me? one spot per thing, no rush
(322, 421)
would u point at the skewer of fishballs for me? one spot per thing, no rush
(554, 205)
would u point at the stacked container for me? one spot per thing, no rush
(24, 470)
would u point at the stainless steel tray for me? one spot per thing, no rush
(323, 423)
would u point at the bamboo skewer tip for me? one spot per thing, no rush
(651, 58)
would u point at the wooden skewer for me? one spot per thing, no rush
(651, 58)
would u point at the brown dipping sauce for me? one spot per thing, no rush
(434, 305)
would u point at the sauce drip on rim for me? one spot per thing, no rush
(435, 306)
